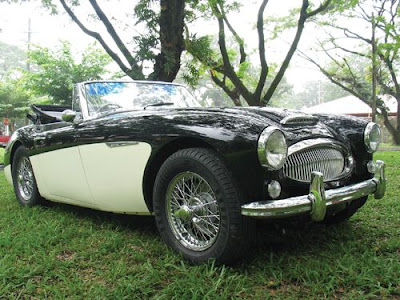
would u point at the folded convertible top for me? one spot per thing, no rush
(45, 114)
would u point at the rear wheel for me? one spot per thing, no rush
(24, 180)
(346, 213)
(197, 207)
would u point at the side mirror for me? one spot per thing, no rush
(68, 115)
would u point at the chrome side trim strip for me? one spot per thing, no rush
(316, 202)
(121, 144)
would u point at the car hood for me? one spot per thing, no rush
(295, 124)
(248, 121)
(298, 125)
(274, 115)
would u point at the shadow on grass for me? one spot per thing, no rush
(292, 240)
(142, 224)
(280, 239)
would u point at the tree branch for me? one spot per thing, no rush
(98, 37)
(320, 9)
(355, 92)
(120, 44)
(233, 94)
(392, 73)
(386, 89)
(351, 34)
(351, 51)
(330, 76)
(238, 39)
(261, 50)
(228, 69)
(300, 27)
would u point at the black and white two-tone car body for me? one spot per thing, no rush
(149, 148)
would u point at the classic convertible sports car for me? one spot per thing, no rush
(149, 148)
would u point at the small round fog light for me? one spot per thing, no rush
(371, 167)
(274, 189)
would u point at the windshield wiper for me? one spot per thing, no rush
(158, 104)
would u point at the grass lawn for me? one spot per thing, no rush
(68, 252)
(388, 146)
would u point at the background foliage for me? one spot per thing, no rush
(223, 66)
(364, 58)
(54, 72)
(14, 103)
(12, 58)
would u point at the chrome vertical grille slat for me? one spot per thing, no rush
(327, 159)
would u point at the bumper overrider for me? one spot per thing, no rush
(318, 200)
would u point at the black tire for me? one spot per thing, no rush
(202, 219)
(346, 213)
(24, 180)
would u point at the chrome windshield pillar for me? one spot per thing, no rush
(318, 200)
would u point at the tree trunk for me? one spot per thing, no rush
(393, 130)
(171, 38)
(396, 136)
(235, 96)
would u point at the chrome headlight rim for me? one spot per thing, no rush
(370, 144)
(265, 136)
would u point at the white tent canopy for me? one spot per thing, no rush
(349, 105)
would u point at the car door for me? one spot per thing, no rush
(114, 165)
(58, 166)
(114, 173)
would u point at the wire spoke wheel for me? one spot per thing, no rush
(192, 210)
(25, 179)
(197, 207)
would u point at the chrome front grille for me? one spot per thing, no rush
(328, 160)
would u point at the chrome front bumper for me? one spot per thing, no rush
(317, 201)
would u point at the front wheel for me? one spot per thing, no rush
(197, 207)
(346, 213)
(24, 180)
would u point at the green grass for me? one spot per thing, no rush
(62, 251)
(1, 155)
(388, 146)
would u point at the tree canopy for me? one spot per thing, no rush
(228, 69)
(54, 72)
(11, 59)
(160, 44)
(167, 33)
(352, 59)
(14, 100)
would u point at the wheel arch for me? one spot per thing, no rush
(158, 159)
(14, 148)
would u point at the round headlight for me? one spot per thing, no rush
(372, 137)
(272, 148)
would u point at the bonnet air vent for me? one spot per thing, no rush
(299, 120)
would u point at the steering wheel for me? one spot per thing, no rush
(109, 106)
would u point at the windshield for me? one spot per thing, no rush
(104, 97)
